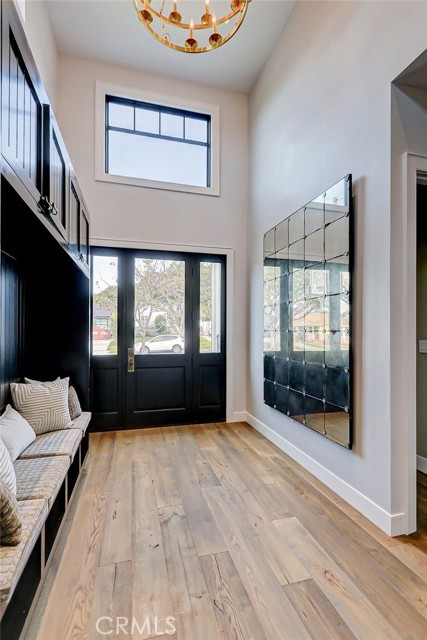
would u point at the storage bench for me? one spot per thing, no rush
(46, 473)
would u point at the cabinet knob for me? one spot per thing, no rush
(44, 204)
(81, 257)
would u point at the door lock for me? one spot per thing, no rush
(131, 360)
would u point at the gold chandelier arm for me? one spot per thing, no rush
(186, 25)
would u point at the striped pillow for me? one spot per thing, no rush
(7, 472)
(74, 404)
(44, 407)
(10, 521)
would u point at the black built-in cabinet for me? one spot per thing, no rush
(37, 164)
(44, 269)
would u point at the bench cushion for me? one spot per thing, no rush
(82, 422)
(55, 443)
(33, 513)
(40, 478)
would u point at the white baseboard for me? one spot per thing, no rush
(240, 416)
(392, 524)
(422, 464)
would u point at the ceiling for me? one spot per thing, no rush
(109, 31)
(416, 74)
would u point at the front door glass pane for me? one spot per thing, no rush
(210, 307)
(159, 310)
(104, 305)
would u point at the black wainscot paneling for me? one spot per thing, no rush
(54, 519)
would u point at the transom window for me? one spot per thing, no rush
(155, 142)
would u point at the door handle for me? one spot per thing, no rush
(131, 360)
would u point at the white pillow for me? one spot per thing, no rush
(44, 406)
(7, 471)
(15, 432)
(46, 383)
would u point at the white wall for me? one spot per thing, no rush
(322, 109)
(42, 44)
(130, 215)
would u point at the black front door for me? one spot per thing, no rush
(158, 339)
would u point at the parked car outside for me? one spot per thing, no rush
(161, 343)
(101, 333)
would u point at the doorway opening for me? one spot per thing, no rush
(421, 359)
(158, 338)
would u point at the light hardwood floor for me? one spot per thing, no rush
(214, 531)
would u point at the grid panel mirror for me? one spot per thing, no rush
(307, 314)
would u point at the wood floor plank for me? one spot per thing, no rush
(413, 558)
(258, 453)
(100, 460)
(274, 611)
(150, 585)
(356, 610)
(165, 484)
(278, 457)
(318, 615)
(403, 598)
(189, 593)
(112, 598)
(206, 534)
(150, 460)
(205, 552)
(274, 507)
(336, 500)
(204, 433)
(116, 540)
(234, 611)
(75, 580)
(143, 473)
(282, 561)
(202, 468)
(286, 567)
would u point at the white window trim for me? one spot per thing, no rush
(103, 89)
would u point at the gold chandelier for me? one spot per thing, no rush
(197, 37)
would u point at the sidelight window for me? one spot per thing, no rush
(104, 305)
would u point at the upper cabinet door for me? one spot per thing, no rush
(79, 226)
(55, 174)
(21, 105)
